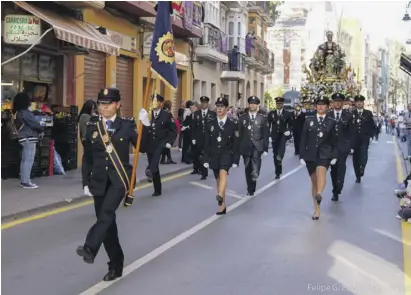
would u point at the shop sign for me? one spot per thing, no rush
(181, 59)
(21, 29)
(127, 43)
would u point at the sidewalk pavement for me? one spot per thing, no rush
(59, 190)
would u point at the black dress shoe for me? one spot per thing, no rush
(85, 252)
(358, 180)
(334, 198)
(277, 177)
(249, 194)
(203, 178)
(156, 194)
(112, 275)
(171, 162)
(194, 172)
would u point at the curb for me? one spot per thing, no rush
(80, 199)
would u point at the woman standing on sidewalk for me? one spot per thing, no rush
(89, 109)
(318, 149)
(28, 135)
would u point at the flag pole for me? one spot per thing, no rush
(129, 198)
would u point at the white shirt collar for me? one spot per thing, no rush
(157, 112)
(337, 112)
(360, 110)
(112, 119)
(279, 111)
(204, 111)
(253, 114)
(320, 116)
(222, 120)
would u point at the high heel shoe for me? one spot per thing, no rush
(318, 198)
(315, 217)
(222, 212)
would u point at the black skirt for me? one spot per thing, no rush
(312, 166)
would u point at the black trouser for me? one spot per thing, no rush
(297, 139)
(279, 152)
(86, 162)
(252, 165)
(186, 157)
(153, 161)
(104, 231)
(338, 173)
(198, 160)
(166, 155)
(360, 156)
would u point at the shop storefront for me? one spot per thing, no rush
(41, 72)
(124, 81)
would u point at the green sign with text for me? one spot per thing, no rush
(21, 29)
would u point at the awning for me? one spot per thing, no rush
(72, 30)
(405, 64)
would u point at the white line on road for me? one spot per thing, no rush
(201, 185)
(234, 195)
(173, 242)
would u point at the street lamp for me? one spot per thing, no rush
(406, 15)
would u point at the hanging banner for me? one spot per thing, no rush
(21, 29)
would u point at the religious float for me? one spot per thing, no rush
(328, 73)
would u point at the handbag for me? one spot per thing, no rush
(12, 127)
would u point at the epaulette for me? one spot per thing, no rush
(128, 118)
(89, 123)
(233, 120)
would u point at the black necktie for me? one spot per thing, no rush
(321, 120)
(338, 116)
(204, 114)
(155, 115)
(221, 123)
(252, 117)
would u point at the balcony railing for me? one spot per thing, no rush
(235, 62)
(214, 38)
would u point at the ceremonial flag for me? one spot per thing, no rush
(162, 54)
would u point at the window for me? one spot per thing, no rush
(239, 33)
(231, 28)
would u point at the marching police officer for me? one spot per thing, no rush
(318, 150)
(298, 123)
(221, 149)
(159, 132)
(364, 129)
(280, 124)
(186, 132)
(108, 181)
(201, 117)
(344, 129)
(254, 142)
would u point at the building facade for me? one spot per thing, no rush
(231, 59)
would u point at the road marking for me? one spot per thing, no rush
(405, 229)
(390, 141)
(228, 193)
(79, 205)
(202, 185)
(96, 289)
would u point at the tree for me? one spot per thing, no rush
(270, 95)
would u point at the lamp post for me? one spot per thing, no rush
(407, 17)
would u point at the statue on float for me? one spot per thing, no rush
(328, 61)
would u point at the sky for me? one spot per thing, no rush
(380, 19)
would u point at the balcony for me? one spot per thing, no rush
(135, 8)
(213, 45)
(261, 8)
(250, 58)
(269, 66)
(187, 18)
(234, 70)
(233, 4)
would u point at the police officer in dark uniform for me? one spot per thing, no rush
(221, 149)
(344, 129)
(254, 142)
(198, 132)
(159, 132)
(108, 181)
(186, 130)
(318, 150)
(281, 125)
(298, 123)
(364, 127)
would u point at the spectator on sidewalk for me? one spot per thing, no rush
(29, 132)
(89, 109)
(167, 152)
(181, 111)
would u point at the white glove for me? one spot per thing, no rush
(333, 161)
(206, 165)
(351, 151)
(168, 146)
(143, 117)
(265, 154)
(287, 133)
(193, 141)
(87, 191)
(235, 166)
(270, 139)
(302, 162)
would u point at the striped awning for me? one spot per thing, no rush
(72, 30)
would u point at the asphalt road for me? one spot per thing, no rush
(174, 244)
